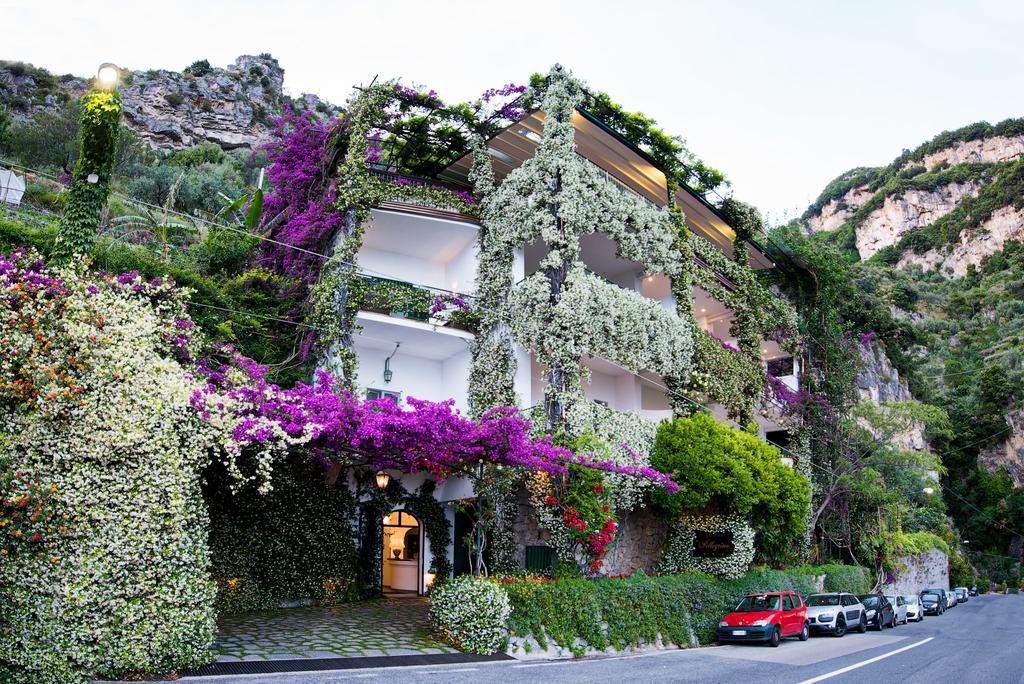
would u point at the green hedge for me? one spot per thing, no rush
(293, 543)
(853, 578)
(635, 610)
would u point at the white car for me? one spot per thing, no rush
(915, 611)
(835, 613)
(899, 607)
(951, 599)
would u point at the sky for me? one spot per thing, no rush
(782, 96)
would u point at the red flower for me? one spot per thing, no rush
(551, 501)
(599, 488)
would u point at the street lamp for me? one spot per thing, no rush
(107, 76)
(383, 479)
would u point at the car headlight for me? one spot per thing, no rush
(827, 617)
(723, 623)
(761, 623)
(871, 613)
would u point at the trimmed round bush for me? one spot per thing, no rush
(471, 614)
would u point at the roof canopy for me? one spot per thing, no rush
(624, 164)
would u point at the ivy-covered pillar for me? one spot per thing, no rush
(682, 292)
(90, 186)
(334, 300)
(493, 364)
(493, 369)
(336, 287)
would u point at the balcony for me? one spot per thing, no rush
(399, 299)
(432, 252)
(420, 195)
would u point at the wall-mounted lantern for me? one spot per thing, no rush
(383, 479)
(388, 374)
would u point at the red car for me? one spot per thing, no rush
(766, 617)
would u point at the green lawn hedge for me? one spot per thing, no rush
(622, 613)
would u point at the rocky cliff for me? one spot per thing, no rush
(879, 381)
(171, 110)
(1008, 454)
(948, 184)
(943, 208)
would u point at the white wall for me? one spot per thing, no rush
(416, 376)
(401, 267)
(460, 272)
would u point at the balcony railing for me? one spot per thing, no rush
(401, 299)
(423, 192)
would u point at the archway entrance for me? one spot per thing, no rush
(402, 562)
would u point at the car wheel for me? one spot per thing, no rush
(862, 625)
(840, 628)
(776, 637)
(805, 633)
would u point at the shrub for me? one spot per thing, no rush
(102, 417)
(200, 67)
(852, 578)
(732, 471)
(471, 614)
(292, 543)
(174, 99)
(683, 609)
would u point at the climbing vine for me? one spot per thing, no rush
(100, 122)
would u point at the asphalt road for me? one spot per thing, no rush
(978, 641)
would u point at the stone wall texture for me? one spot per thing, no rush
(637, 545)
(930, 569)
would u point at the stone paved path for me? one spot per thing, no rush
(367, 628)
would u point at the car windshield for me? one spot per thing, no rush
(929, 596)
(823, 600)
(755, 604)
(910, 599)
(869, 600)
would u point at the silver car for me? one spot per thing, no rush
(915, 610)
(899, 607)
(835, 613)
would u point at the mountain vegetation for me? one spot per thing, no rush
(952, 324)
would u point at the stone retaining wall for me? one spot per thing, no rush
(930, 569)
(637, 543)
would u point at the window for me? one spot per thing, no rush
(757, 604)
(372, 394)
(787, 602)
(781, 367)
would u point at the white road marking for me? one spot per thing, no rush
(855, 666)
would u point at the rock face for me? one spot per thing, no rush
(231, 107)
(837, 211)
(1010, 453)
(904, 213)
(988, 150)
(910, 210)
(1005, 225)
(879, 381)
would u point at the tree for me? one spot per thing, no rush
(720, 469)
(50, 140)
